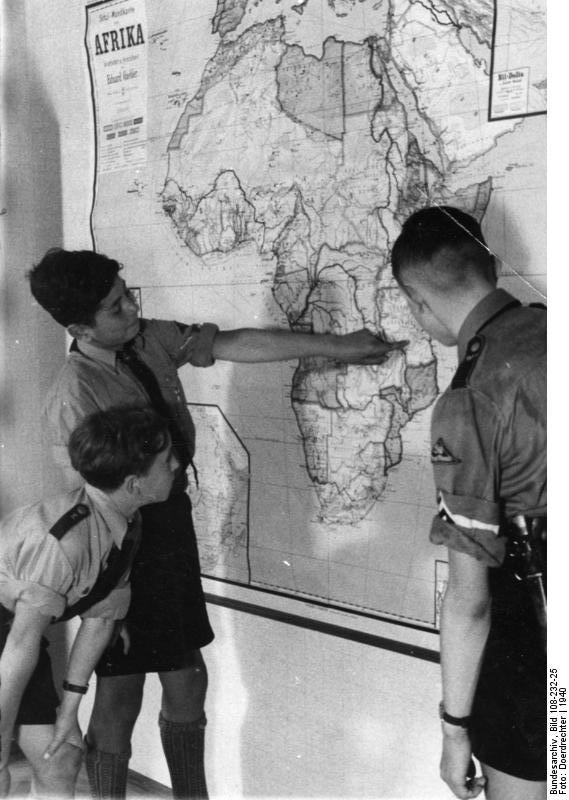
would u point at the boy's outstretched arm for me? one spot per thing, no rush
(258, 345)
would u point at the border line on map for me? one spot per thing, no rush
(248, 517)
(253, 586)
(491, 79)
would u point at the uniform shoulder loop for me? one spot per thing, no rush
(542, 306)
(69, 520)
(473, 351)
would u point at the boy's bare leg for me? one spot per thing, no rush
(182, 721)
(57, 776)
(116, 708)
(500, 786)
(182, 727)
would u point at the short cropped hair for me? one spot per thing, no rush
(107, 446)
(428, 231)
(70, 284)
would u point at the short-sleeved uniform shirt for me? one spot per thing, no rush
(167, 618)
(93, 379)
(489, 461)
(52, 573)
(51, 566)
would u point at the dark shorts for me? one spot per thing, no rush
(508, 730)
(167, 619)
(39, 701)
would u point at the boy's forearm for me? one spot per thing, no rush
(464, 631)
(17, 664)
(90, 642)
(88, 646)
(256, 345)
(92, 637)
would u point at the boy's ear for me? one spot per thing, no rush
(78, 331)
(130, 484)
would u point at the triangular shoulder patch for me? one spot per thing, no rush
(440, 453)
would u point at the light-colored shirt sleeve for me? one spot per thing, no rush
(185, 343)
(44, 575)
(466, 433)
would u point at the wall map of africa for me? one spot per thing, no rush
(254, 164)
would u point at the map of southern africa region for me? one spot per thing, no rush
(255, 162)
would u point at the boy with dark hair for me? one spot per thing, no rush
(116, 356)
(489, 460)
(65, 556)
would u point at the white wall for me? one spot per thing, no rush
(31, 346)
(296, 713)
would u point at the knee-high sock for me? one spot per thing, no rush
(183, 744)
(107, 773)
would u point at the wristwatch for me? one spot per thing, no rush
(461, 722)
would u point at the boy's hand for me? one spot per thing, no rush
(365, 347)
(456, 765)
(67, 731)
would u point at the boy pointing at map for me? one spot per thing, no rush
(117, 357)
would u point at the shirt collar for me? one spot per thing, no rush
(114, 519)
(481, 313)
(108, 357)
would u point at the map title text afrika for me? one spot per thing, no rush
(119, 39)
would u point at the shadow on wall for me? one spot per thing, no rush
(33, 345)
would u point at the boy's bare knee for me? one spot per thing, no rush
(56, 776)
(184, 692)
(117, 705)
(118, 698)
